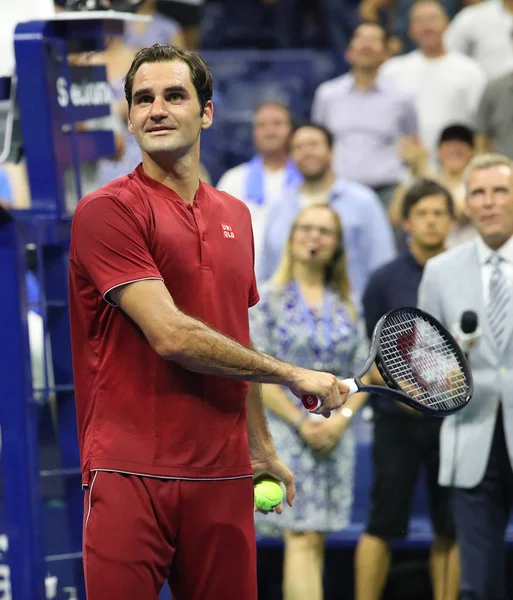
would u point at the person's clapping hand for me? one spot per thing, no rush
(412, 152)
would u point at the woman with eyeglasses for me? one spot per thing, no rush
(306, 316)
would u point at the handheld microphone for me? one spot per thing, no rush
(467, 333)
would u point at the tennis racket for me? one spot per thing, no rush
(420, 362)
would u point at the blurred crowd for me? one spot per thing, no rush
(428, 87)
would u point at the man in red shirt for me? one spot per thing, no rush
(161, 278)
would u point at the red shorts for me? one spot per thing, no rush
(141, 531)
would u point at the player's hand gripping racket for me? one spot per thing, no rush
(420, 362)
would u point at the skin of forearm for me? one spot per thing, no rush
(259, 436)
(199, 348)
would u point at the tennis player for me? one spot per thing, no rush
(161, 278)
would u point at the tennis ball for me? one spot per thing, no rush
(268, 494)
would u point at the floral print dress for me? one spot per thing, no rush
(324, 338)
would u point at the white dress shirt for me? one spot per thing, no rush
(483, 31)
(484, 253)
(446, 89)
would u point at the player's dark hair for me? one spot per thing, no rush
(326, 132)
(422, 188)
(200, 73)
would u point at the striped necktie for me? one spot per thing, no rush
(498, 300)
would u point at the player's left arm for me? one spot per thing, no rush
(264, 460)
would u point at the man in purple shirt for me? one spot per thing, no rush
(369, 116)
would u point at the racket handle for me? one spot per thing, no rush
(311, 402)
(351, 383)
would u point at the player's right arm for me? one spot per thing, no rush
(110, 246)
(197, 347)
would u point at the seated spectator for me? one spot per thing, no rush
(446, 85)
(483, 32)
(306, 315)
(455, 151)
(368, 115)
(270, 172)
(404, 440)
(368, 237)
(495, 116)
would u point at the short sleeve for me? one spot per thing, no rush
(254, 296)
(253, 292)
(110, 246)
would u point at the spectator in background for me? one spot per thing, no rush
(495, 115)
(403, 439)
(483, 31)
(368, 115)
(270, 173)
(306, 315)
(476, 450)
(368, 236)
(447, 86)
(393, 15)
(456, 149)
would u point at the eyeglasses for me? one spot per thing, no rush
(323, 231)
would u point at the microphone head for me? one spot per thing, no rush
(468, 322)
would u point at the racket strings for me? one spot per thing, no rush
(423, 362)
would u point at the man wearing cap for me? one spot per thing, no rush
(455, 149)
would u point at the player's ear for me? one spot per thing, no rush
(208, 115)
(130, 126)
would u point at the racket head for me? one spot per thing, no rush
(421, 362)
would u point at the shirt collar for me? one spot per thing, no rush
(377, 85)
(484, 252)
(411, 260)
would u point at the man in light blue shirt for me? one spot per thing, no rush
(368, 237)
(368, 114)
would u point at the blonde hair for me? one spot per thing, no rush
(336, 275)
(485, 161)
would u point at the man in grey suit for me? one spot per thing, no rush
(477, 443)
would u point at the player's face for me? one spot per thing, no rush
(429, 222)
(315, 237)
(454, 156)
(367, 48)
(311, 152)
(427, 25)
(490, 203)
(165, 115)
(271, 129)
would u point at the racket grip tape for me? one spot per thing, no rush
(312, 402)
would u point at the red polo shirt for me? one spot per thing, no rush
(138, 413)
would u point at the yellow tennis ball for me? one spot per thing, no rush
(268, 494)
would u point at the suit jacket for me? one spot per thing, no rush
(451, 284)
